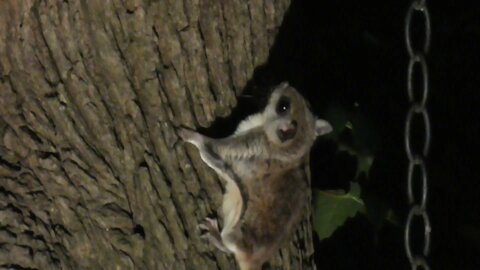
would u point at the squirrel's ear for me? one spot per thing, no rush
(322, 127)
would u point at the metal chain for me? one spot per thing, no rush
(417, 160)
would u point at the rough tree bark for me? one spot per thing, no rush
(91, 176)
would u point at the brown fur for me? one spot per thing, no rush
(263, 164)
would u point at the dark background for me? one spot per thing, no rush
(351, 55)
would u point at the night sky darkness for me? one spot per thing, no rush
(338, 53)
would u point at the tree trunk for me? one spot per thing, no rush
(91, 175)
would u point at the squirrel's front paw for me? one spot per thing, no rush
(189, 136)
(209, 227)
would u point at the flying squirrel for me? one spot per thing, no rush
(263, 164)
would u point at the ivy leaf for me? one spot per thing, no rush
(364, 160)
(355, 134)
(333, 208)
(338, 118)
(378, 211)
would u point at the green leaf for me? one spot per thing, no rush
(355, 134)
(364, 160)
(377, 210)
(337, 117)
(364, 165)
(333, 208)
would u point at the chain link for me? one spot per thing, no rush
(416, 161)
(421, 7)
(416, 108)
(417, 59)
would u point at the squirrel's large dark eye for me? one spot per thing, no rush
(283, 105)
